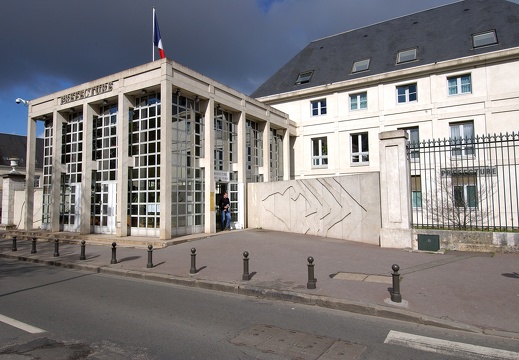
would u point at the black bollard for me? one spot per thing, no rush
(150, 255)
(114, 258)
(82, 255)
(33, 248)
(395, 294)
(56, 248)
(246, 275)
(14, 243)
(193, 261)
(311, 279)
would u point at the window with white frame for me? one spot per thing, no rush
(459, 84)
(359, 101)
(462, 136)
(416, 191)
(319, 152)
(465, 194)
(406, 93)
(318, 107)
(359, 148)
(414, 142)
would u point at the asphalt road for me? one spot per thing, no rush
(53, 313)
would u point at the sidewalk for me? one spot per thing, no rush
(469, 291)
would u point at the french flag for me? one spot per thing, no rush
(157, 41)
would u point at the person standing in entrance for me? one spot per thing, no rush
(225, 208)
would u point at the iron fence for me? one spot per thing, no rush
(465, 183)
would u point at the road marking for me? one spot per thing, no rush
(447, 347)
(20, 325)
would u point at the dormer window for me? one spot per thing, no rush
(361, 65)
(484, 39)
(304, 77)
(405, 56)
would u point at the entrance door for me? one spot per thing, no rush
(220, 189)
(70, 207)
(107, 209)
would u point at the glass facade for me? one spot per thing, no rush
(254, 151)
(47, 174)
(187, 182)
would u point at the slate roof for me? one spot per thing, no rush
(439, 34)
(16, 146)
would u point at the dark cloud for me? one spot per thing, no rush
(52, 44)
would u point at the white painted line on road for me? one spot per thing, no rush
(447, 347)
(20, 325)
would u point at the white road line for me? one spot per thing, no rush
(20, 325)
(447, 347)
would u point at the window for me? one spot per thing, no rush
(319, 107)
(462, 135)
(359, 148)
(405, 56)
(406, 93)
(319, 152)
(304, 77)
(459, 84)
(465, 191)
(359, 101)
(361, 65)
(416, 191)
(414, 142)
(483, 39)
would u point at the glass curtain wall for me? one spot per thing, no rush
(226, 153)
(71, 157)
(187, 183)
(254, 148)
(47, 174)
(144, 148)
(104, 177)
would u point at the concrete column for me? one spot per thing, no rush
(208, 164)
(266, 152)
(123, 164)
(87, 165)
(286, 155)
(30, 169)
(57, 169)
(242, 170)
(395, 190)
(166, 158)
(12, 182)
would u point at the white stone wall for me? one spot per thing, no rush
(19, 209)
(343, 207)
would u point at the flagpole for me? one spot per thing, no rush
(153, 35)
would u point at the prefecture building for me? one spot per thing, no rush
(149, 151)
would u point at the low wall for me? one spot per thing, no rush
(485, 241)
(343, 207)
(19, 208)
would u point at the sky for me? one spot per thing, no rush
(50, 45)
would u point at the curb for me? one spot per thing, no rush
(272, 294)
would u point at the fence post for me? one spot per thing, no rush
(395, 190)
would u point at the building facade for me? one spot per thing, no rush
(445, 73)
(116, 160)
